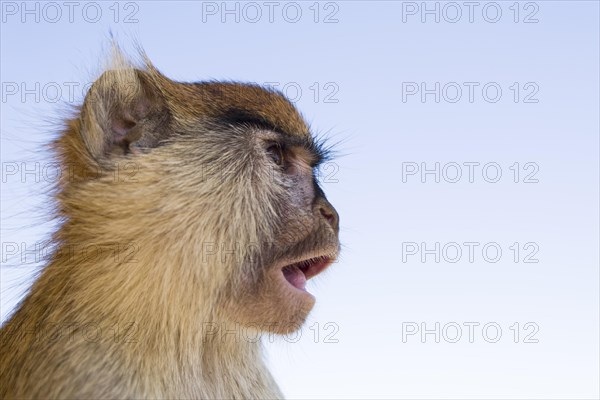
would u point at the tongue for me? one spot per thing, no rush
(295, 276)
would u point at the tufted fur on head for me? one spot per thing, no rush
(191, 217)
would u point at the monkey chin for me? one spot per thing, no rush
(282, 303)
(289, 279)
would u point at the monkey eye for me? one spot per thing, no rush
(276, 153)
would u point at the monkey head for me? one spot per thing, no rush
(214, 183)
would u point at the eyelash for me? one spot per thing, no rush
(322, 148)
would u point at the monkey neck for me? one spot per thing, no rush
(152, 312)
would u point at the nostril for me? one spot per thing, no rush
(328, 212)
(328, 215)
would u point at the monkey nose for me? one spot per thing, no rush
(330, 215)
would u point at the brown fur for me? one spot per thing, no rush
(176, 225)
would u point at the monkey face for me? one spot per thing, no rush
(225, 192)
(302, 240)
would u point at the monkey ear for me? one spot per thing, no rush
(122, 113)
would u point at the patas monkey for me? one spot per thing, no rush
(190, 211)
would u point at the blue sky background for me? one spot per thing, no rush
(364, 60)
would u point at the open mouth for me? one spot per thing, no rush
(298, 273)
